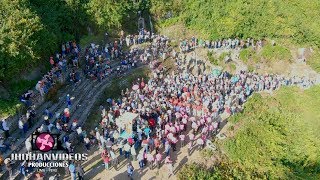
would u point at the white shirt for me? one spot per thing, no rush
(79, 130)
(20, 124)
(28, 145)
(86, 140)
(5, 126)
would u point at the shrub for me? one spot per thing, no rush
(273, 53)
(244, 55)
(212, 59)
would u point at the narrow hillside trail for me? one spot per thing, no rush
(84, 95)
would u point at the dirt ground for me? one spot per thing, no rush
(180, 158)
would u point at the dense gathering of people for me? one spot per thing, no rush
(70, 51)
(230, 43)
(174, 109)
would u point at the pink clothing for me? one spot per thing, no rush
(182, 137)
(168, 160)
(177, 128)
(210, 128)
(215, 125)
(173, 130)
(158, 157)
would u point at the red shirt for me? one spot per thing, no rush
(105, 158)
(152, 122)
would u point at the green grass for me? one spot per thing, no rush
(207, 153)
(249, 55)
(267, 54)
(314, 61)
(86, 40)
(224, 55)
(212, 59)
(278, 136)
(276, 53)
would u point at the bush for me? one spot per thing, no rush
(243, 18)
(244, 55)
(224, 170)
(212, 59)
(273, 53)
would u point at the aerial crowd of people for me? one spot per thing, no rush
(175, 109)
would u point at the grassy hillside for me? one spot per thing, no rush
(275, 137)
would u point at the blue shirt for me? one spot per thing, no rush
(72, 168)
(147, 131)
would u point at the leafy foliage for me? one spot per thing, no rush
(267, 54)
(18, 31)
(297, 20)
(275, 53)
(115, 15)
(212, 59)
(278, 136)
(224, 170)
(31, 30)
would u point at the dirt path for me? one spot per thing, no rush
(180, 157)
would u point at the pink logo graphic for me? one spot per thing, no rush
(44, 142)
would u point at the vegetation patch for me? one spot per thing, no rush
(278, 137)
(274, 53)
(52, 94)
(10, 105)
(314, 61)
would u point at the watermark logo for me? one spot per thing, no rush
(47, 152)
(45, 142)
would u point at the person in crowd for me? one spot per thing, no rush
(5, 127)
(72, 170)
(106, 159)
(130, 170)
(80, 171)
